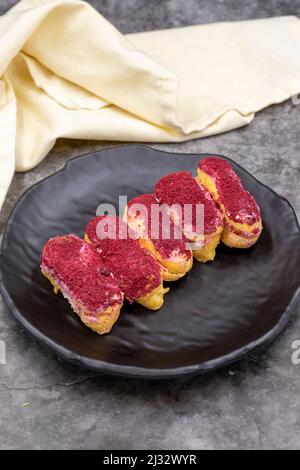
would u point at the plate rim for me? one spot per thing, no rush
(137, 371)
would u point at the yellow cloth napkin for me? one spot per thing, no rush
(65, 71)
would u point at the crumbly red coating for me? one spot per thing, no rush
(111, 227)
(181, 188)
(239, 204)
(136, 270)
(76, 266)
(160, 228)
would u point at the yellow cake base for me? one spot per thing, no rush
(208, 251)
(171, 270)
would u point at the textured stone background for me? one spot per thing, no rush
(255, 403)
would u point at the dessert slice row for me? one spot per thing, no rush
(185, 217)
(230, 213)
(96, 274)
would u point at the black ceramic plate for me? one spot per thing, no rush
(211, 317)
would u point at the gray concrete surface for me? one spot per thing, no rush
(254, 404)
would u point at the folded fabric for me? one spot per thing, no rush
(65, 71)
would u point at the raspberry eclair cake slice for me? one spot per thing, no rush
(137, 271)
(74, 268)
(182, 196)
(242, 219)
(158, 234)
